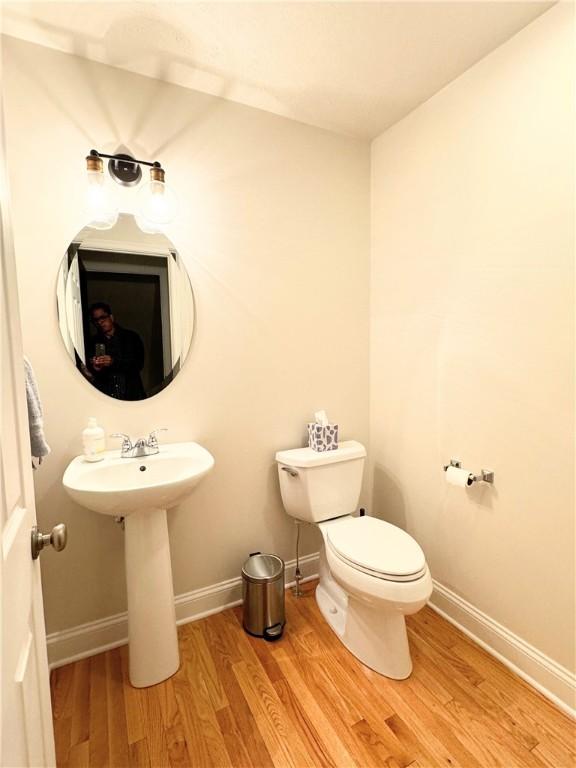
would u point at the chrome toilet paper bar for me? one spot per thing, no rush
(485, 476)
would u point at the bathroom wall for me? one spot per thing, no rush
(274, 230)
(472, 332)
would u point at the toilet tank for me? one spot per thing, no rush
(318, 486)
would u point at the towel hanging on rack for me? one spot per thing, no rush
(38, 445)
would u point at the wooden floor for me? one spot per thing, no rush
(305, 701)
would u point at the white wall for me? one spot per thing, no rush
(274, 230)
(471, 318)
(472, 331)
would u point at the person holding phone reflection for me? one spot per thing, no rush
(116, 356)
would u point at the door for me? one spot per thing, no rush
(26, 736)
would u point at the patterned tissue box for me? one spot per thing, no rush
(323, 438)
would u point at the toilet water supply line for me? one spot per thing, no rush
(297, 575)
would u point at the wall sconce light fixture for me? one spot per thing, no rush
(156, 202)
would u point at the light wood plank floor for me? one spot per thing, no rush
(305, 701)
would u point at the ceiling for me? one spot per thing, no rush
(351, 67)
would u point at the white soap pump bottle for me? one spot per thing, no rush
(93, 441)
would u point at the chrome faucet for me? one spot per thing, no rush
(144, 446)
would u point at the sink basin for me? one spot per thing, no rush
(141, 490)
(121, 487)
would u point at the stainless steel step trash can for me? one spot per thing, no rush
(263, 596)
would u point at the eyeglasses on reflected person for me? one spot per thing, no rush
(97, 319)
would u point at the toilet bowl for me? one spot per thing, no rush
(366, 599)
(372, 573)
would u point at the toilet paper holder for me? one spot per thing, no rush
(485, 476)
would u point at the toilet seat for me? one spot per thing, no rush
(377, 548)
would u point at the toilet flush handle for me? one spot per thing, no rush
(291, 471)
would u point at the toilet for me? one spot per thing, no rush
(372, 573)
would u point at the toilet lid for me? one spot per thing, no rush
(377, 548)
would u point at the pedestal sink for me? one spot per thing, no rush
(141, 490)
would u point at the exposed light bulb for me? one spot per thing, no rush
(99, 203)
(146, 226)
(157, 202)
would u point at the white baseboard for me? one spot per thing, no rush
(88, 639)
(543, 673)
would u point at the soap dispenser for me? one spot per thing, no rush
(93, 441)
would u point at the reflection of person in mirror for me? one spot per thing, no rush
(116, 356)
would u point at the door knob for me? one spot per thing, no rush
(56, 539)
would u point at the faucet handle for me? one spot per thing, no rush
(152, 439)
(126, 441)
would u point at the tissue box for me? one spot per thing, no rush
(323, 438)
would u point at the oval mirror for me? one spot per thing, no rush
(125, 309)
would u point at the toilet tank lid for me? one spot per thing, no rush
(306, 457)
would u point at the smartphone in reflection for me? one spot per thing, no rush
(99, 350)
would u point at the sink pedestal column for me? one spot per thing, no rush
(152, 637)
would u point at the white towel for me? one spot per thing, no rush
(38, 445)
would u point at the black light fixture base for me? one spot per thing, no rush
(125, 170)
